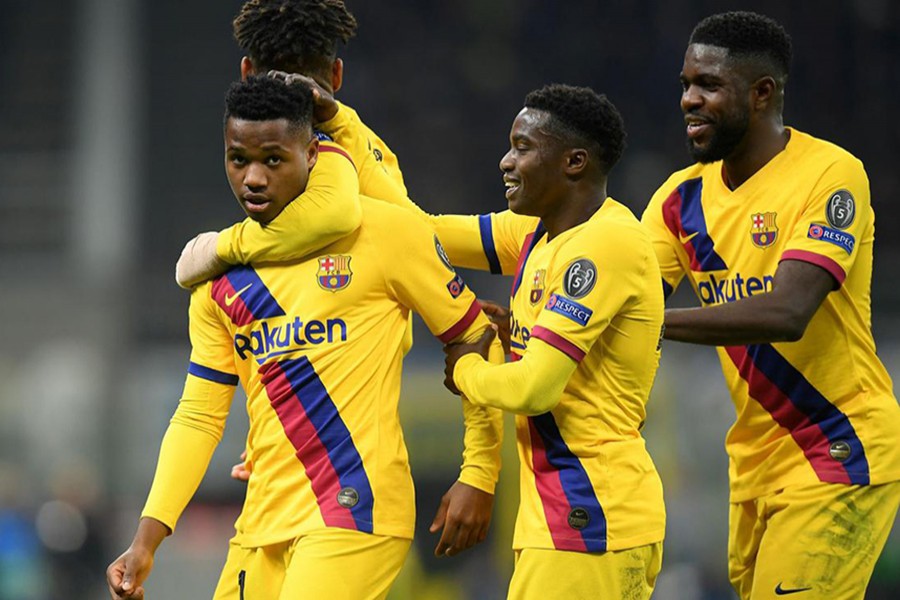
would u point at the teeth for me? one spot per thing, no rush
(510, 184)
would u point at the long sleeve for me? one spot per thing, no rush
(530, 386)
(192, 436)
(325, 212)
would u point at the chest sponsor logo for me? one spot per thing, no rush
(841, 209)
(537, 287)
(728, 289)
(267, 340)
(334, 272)
(824, 233)
(763, 231)
(580, 278)
(569, 309)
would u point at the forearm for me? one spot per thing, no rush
(755, 320)
(530, 386)
(328, 210)
(483, 425)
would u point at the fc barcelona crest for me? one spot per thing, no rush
(334, 272)
(763, 232)
(537, 287)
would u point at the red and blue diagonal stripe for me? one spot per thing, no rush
(323, 443)
(528, 245)
(683, 215)
(244, 297)
(813, 421)
(564, 485)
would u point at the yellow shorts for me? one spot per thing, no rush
(818, 541)
(323, 565)
(558, 574)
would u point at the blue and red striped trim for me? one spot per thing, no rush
(683, 215)
(212, 374)
(487, 242)
(813, 422)
(323, 443)
(563, 485)
(243, 296)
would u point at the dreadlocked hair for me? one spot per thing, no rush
(293, 35)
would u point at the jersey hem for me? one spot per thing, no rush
(619, 543)
(764, 490)
(258, 540)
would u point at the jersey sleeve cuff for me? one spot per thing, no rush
(820, 261)
(558, 342)
(474, 476)
(462, 324)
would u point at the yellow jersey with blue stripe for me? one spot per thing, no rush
(317, 345)
(821, 408)
(587, 481)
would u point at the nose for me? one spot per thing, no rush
(255, 177)
(690, 98)
(506, 163)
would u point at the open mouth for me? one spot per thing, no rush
(255, 203)
(512, 187)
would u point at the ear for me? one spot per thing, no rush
(337, 74)
(763, 92)
(247, 68)
(312, 152)
(576, 161)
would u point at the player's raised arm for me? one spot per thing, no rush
(326, 211)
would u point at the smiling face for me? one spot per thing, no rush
(268, 164)
(715, 100)
(533, 168)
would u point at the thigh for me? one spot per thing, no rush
(745, 531)
(822, 541)
(341, 563)
(252, 573)
(557, 574)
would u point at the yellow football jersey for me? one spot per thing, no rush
(587, 481)
(317, 346)
(821, 408)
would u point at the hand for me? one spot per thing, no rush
(499, 316)
(242, 470)
(325, 107)
(127, 573)
(464, 515)
(455, 351)
(199, 261)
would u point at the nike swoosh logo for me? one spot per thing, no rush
(229, 300)
(684, 239)
(780, 591)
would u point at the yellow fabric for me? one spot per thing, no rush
(824, 538)
(323, 565)
(325, 212)
(553, 575)
(194, 431)
(587, 454)
(794, 401)
(531, 386)
(317, 346)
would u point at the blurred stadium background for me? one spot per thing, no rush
(110, 159)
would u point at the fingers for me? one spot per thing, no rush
(440, 516)
(120, 582)
(240, 472)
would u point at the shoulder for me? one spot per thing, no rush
(823, 155)
(612, 234)
(675, 180)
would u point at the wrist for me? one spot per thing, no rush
(149, 535)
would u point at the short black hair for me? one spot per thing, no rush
(262, 98)
(581, 115)
(293, 35)
(747, 35)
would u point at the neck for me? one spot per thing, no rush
(760, 145)
(576, 208)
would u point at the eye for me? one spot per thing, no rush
(273, 161)
(237, 160)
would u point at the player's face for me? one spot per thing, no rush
(268, 164)
(532, 169)
(716, 103)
